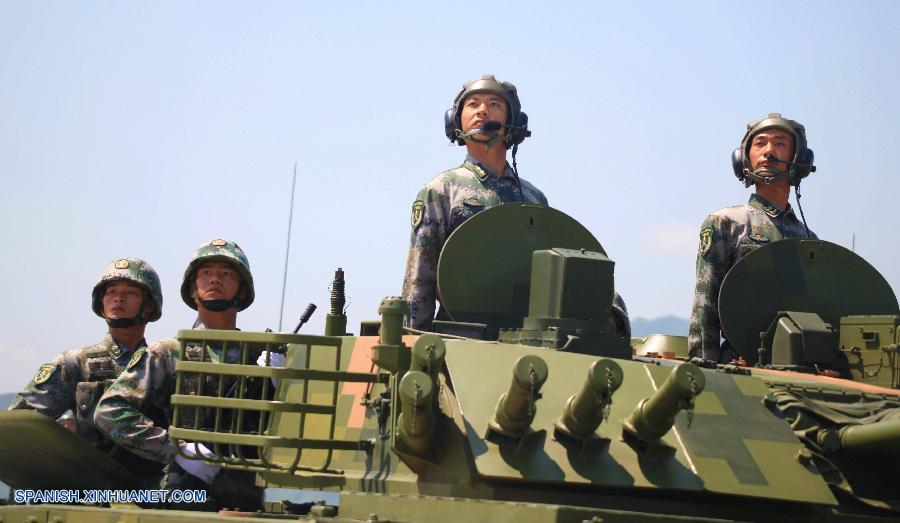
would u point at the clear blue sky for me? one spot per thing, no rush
(145, 129)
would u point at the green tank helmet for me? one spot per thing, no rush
(799, 167)
(516, 121)
(132, 270)
(488, 84)
(226, 251)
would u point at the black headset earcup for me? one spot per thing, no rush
(450, 126)
(519, 129)
(804, 164)
(737, 163)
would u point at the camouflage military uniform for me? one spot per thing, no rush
(148, 382)
(54, 389)
(726, 236)
(151, 383)
(441, 206)
(74, 381)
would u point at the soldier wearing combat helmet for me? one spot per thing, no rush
(773, 156)
(128, 296)
(217, 284)
(486, 118)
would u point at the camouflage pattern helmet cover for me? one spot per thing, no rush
(221, 250)
(488, 84)
(133, 270)
(776, 121)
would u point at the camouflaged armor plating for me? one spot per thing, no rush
(726, 236)
(441, 206)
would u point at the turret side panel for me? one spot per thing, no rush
(734, 446)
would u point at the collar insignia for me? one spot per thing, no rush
(480, 172)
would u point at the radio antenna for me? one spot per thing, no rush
(287, 249)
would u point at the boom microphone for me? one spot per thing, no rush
(812, 168)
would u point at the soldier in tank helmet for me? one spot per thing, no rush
(486, 118)
(128, 295)
(773, 157)
(217, 284)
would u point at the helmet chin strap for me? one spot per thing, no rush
(224, 305)
(119, 323)
(469, 136)
(756, 175)
(138, 319)
(217, 305)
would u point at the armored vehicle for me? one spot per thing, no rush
(529, 405)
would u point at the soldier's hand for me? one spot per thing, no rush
(275, 360)
(193, 465)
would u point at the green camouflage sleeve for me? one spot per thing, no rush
(429, 225)
(149, 379)
(712, 265)
(52, 390)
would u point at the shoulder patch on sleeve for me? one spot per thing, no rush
(705, 239)
(136, 358)
(417, 212)
(44, 373)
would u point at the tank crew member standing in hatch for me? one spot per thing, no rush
(128, 296)
(773, 156)
(217, 284)
(487, 118)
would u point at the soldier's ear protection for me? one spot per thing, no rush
(804, 164)
(450, 127)
(516, 132)
(737, 163)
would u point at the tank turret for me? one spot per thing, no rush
(526, 404)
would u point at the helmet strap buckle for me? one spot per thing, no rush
(756, 176)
